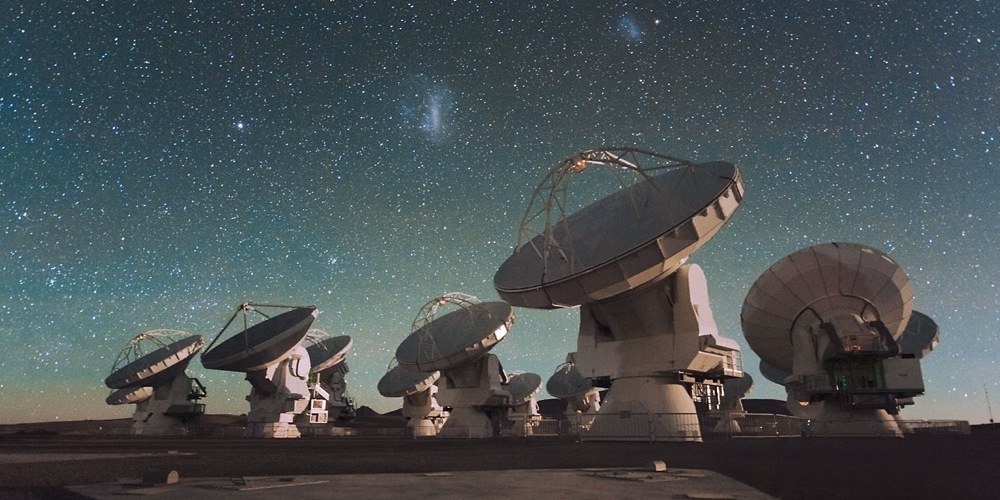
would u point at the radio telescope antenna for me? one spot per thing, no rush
(523, 388)
(276, 364)
(920, 337)
(583, 400)
(838, 319)
(327, 383)
(645, 322)
(424, 415)
(427, 314)
(457, 343)
(154, 363)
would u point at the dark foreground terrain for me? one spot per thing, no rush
(930, 466)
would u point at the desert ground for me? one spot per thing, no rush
(40, 460)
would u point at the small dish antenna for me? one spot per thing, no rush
(327, 382)
(523, 414)
(327, 351)
(583, 400)
(260, 345)
(453, 334)
(920, 337)
(425, 416)
(836, 323)
(276, 364)
(645, 321)
(150, 373)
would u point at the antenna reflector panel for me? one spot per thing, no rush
(401, 382)
(816, 284)
(567, 382)
(129, 395)
(329, 352)
(456, 338)
(773, 374)
(263, 344)
(636, 235)
(155, 368)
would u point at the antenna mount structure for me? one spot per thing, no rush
(834, 324)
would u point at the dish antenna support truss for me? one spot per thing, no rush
(548, 208)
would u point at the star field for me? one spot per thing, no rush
(163, 162)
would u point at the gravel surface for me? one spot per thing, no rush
(40, 466)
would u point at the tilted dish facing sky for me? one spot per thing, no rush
(167, 354)
(456, 338)
(641, 233)
(262, 344)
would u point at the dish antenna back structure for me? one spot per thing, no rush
(457, 344)
(830, 320)
(327, 379)
(149, 372)
(275, 362)
(645, 322)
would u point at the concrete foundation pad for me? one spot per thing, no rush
(546, 483)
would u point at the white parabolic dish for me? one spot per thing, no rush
(401, 382)
(817, 283)
(457, 338)
(329, 352)
(129, 395)
(158, 367)
(639, 234)
(262, 344)
(567, 382)
(522, 387)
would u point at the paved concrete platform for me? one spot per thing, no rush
(547, 483)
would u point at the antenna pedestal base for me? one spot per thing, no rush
(335, 383)
(833, 418)
(646, 409)
(467, 423)
(163, 414)
(271, 430)
(477, 398)
(727, 422)
(424, 413)
(428, 426)
(279, 394)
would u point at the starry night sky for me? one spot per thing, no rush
(162, 162)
